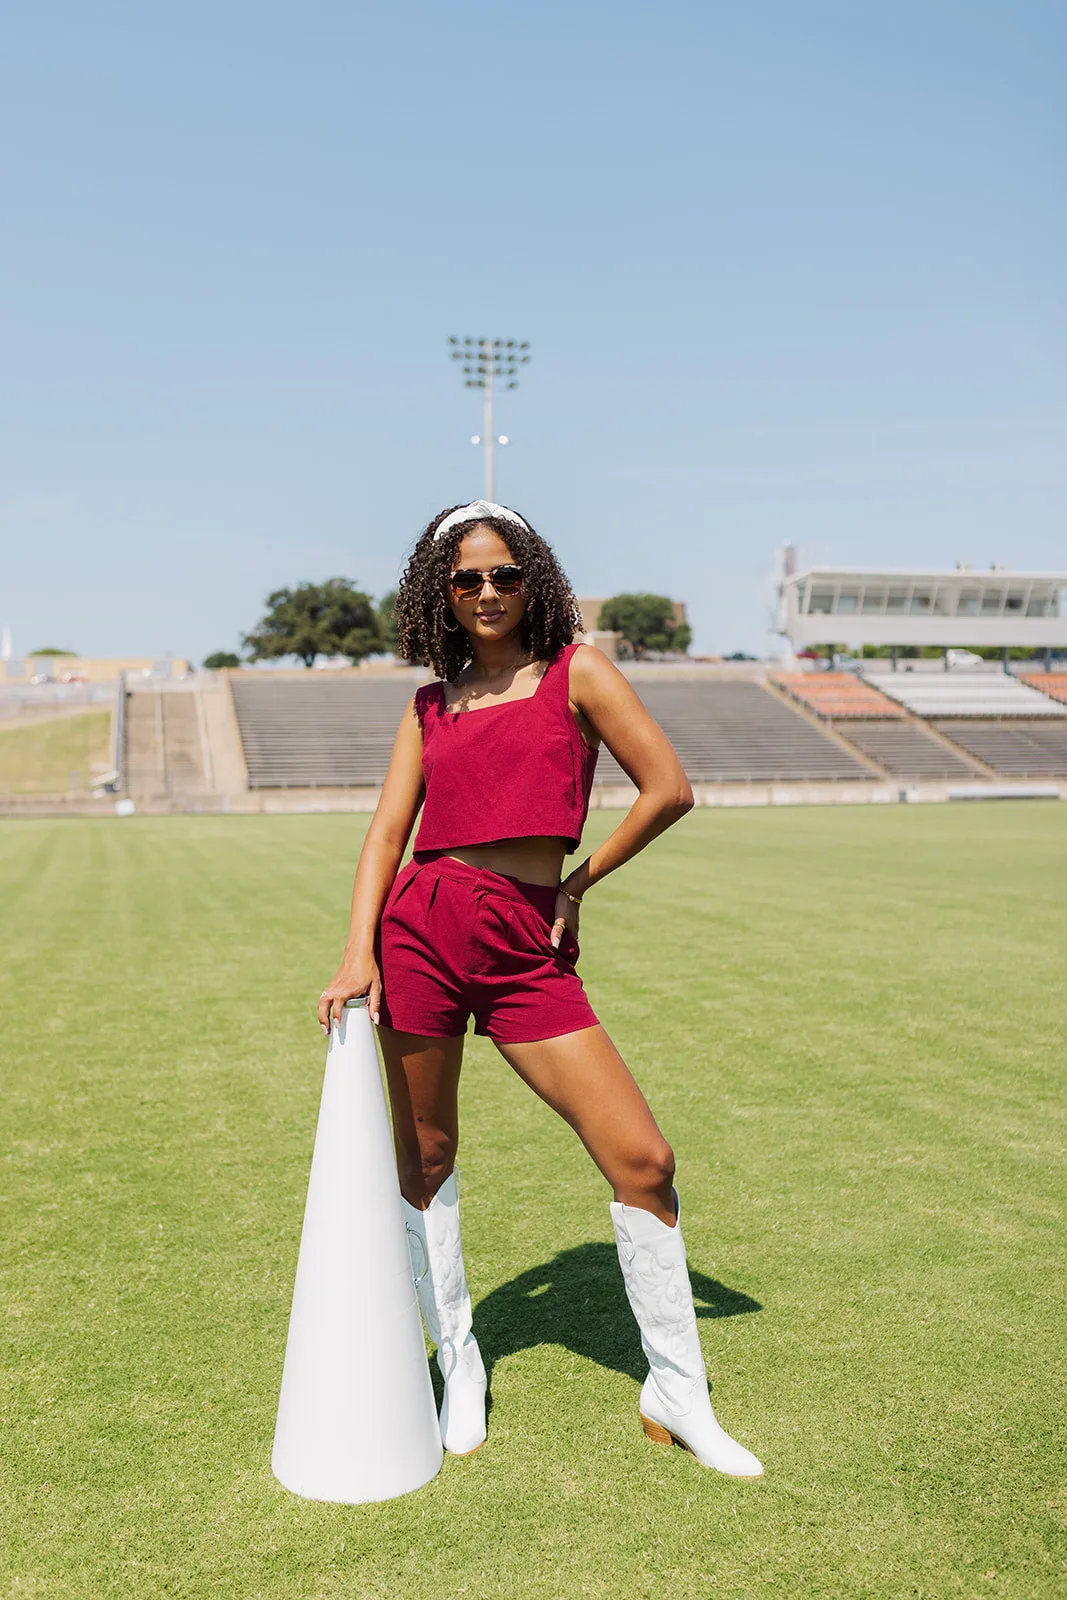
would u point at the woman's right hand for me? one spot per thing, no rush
(353, 978)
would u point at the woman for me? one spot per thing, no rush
(500, 755)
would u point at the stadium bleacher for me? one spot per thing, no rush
(324, 731)
(954, 695)
(906, 750)
(1018, 749)
(837, 695)
(318, 731)
(1050, 683)
(737, 732)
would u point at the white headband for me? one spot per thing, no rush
(477, 511)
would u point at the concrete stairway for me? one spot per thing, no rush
(165, 749)
(143, 765)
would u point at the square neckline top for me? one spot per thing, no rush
(530, 778)
(519, 700)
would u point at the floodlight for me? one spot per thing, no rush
(491, 363)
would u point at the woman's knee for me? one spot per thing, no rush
(651, 1168)
(425, 1166)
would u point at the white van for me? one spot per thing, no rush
(963, 658)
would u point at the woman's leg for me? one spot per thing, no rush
(423, 1078)
(583, 1077)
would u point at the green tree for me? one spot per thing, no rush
(387, 622)
(53, 653)
(329, 619)
(221, 658)
(646, 622)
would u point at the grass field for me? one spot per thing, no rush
(851, 1024)
(57, 755)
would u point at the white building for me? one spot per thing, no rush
(857, 606)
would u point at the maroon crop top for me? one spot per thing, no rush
(518, 770)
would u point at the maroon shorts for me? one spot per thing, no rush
(455, 939)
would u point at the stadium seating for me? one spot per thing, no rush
(326, 731)
(317, 731)
(1018, 749)
(907, 750)
(737, 732)
(322, 730)
(1051, 683)
(986, 694)
(837, 694)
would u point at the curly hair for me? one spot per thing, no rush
(550, 620)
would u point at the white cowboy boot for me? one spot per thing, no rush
(675, 1404)
(441, 1283)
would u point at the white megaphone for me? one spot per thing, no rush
(357, 1419)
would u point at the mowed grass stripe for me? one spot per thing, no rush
(850, 1025)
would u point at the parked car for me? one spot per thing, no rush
(963, 658)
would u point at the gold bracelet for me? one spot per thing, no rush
(573, 898)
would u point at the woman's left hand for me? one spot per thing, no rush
(566, 917)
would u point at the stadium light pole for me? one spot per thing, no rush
(488, 364)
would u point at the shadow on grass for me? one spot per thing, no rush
(577, 1300)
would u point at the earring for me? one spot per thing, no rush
(455, 628)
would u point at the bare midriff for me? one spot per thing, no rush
(529, 860)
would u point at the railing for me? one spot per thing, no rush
(118, 738)
(42, 699)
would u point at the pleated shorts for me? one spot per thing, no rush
(456, 941)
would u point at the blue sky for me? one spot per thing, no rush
(793, 269)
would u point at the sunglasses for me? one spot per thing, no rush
(467, 583)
